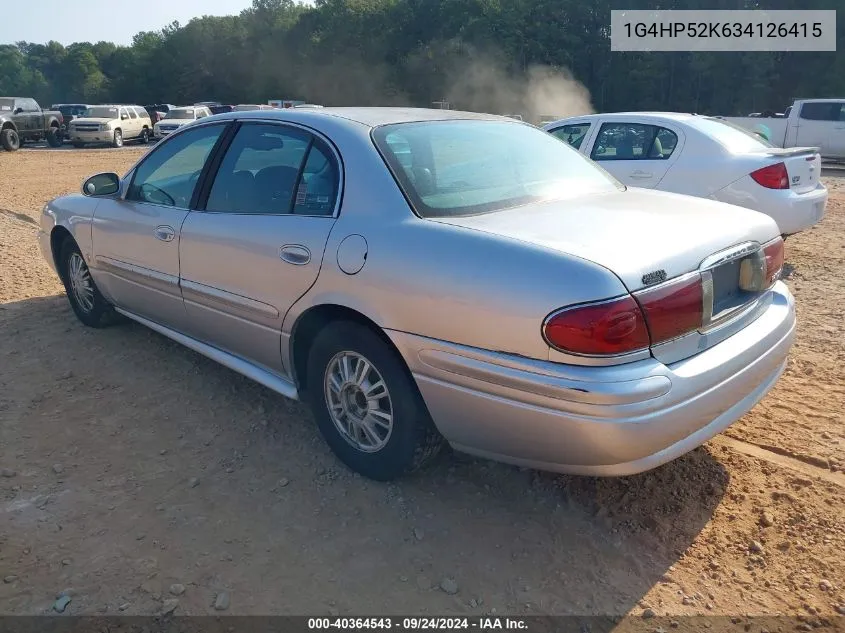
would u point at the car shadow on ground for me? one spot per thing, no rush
(162, 449)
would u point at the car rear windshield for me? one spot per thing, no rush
(101, 112)
(180, 114)
(469, 167)
(732, 137)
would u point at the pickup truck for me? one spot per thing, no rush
(806, 123)
(22, 119)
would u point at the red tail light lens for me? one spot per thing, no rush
(772, 177)
(673, 309)
(599, 329)
(774, 260)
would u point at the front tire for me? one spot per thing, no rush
(85, 298)
(366, 404)
(10, 140)
(118, 139)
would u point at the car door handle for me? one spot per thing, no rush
(640, 174)
(165, 233)
(295, 254)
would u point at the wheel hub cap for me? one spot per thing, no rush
(358, 401)
(80, 282)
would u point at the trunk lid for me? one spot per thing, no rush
(803, 164)
(638, 234)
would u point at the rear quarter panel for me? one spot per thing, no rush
(440, 281)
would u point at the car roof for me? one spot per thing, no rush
(368, 116)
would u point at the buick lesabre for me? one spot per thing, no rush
(424, 277)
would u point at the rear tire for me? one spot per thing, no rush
(118, 139)
(145, 136)
(368, 394)
(85, 298)
(10, 140)
(54, 137)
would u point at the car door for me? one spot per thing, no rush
(575, 133)
(136, 234)
(637, 154)
(257, 244)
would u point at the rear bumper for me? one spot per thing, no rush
(793, 212)
(605, 421)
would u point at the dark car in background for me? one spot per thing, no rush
(220, 109)
(158, 110)
(70, 111)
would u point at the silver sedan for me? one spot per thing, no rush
(424, 277)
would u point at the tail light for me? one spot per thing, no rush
(628, 324)
(774, 260)
(599, 329)
(772, 177)
(673, 309)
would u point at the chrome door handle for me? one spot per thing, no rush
(165, 233)
(295, 254)
(640, 174)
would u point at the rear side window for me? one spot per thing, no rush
(573, 134)
(823, 111)
(633, 141)
(275, 170)
(141, 113)
(132, 113)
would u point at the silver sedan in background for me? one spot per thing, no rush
(424, 277)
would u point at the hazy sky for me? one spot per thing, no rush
(93, 20)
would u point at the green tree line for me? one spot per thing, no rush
(479, 54)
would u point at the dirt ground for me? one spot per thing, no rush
(131, 464)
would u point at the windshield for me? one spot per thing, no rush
(451, 168)
(732, 137)
(180, 114)
(101, 112)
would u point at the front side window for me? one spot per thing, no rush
(259, 173)
(170, 173)
(458, 167)
(573, 134)
(633, 141)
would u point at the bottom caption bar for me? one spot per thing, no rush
(409, 624)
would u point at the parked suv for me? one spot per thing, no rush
(113, 124)
(178, 117)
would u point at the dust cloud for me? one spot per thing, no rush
(538, 93)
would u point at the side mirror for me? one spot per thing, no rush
(105, 184)
(123, 117)
(18, 111)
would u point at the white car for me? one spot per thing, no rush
(177, 117)
(704, 157)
